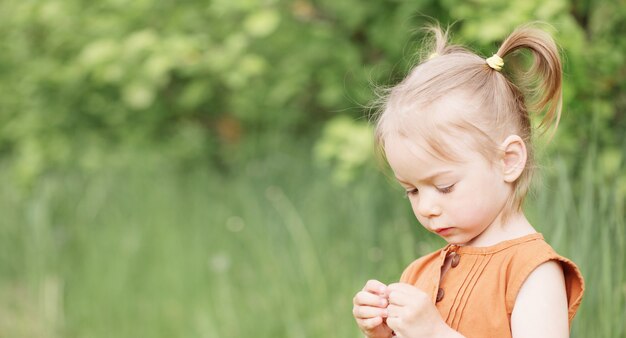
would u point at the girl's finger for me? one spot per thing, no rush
(370, 323)
(394, 324)
(393, 311)
(412, 296)
(375, 286)
(397, 298)
(368, 298)
(365, 312)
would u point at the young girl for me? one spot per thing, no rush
(457, 134)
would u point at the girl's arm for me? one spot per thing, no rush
(541, 308)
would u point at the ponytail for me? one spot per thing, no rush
(542, 82)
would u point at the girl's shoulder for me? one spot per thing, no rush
(523, 260)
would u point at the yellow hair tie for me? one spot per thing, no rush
(433, 55)
(495, 62)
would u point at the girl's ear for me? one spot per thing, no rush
(514, 158)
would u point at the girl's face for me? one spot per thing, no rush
(460, 201)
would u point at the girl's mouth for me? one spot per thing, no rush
(443, 231)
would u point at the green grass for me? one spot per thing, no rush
(272, 249)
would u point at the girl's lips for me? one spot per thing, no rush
(443, 231)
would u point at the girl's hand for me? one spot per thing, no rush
(412, 314)
(370, 310)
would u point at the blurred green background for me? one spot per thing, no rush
(205, 168)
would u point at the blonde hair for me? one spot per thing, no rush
(499, 103)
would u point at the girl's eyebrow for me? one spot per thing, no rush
(428, 178)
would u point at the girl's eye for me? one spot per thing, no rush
(446, 190)
(412, 192)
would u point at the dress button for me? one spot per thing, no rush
(440, 294)
(456, 258)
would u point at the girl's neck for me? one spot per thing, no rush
(515, 226)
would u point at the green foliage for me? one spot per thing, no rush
(81, 77)
(346, 146)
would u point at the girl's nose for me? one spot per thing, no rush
(427, 206)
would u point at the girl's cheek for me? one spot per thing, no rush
(467, 206)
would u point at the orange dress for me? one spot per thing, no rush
(477, 294)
